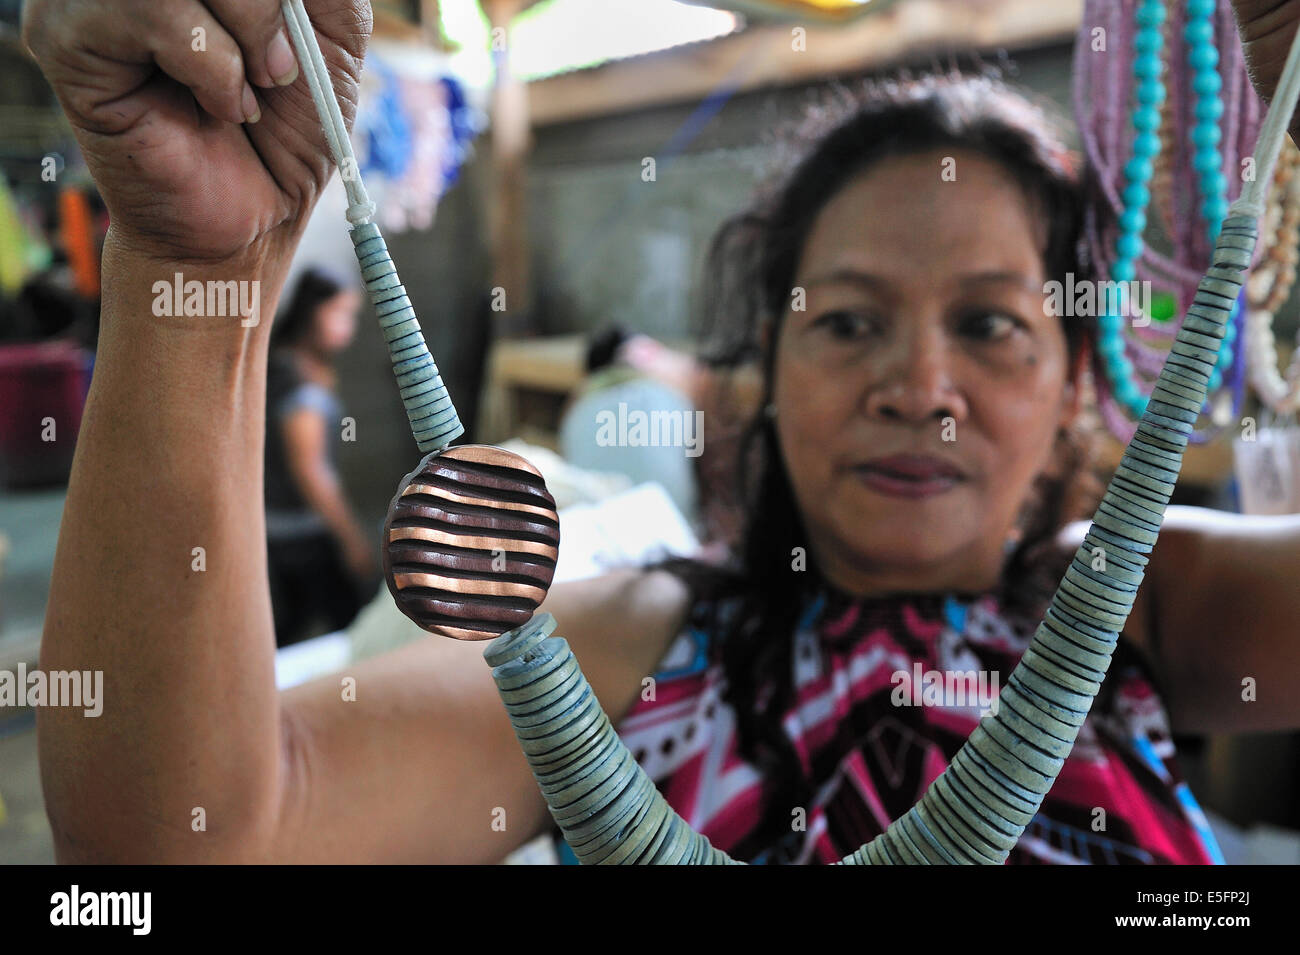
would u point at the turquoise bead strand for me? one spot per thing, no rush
(1207, 159)
(1203, 60)
(432, 417)
(1147, 45)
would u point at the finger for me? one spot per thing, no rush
(1259, 18)
(96, 54)
(190, 45)
(258, 27)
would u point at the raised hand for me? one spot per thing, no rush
(1267, 28)
(198, 151)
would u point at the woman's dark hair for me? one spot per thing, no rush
(603, 346)
(314, 287)
(750, 273)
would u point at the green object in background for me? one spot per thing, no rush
(1163, 306)
(13, 243)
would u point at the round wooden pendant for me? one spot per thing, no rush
(471, 541)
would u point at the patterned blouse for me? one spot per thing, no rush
(888, 689)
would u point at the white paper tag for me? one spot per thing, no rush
(1266, 469)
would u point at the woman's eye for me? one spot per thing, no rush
(844, 323)
(989, 324)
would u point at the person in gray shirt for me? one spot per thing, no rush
(319, 560)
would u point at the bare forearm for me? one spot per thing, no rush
(1226, 612)
(160, 583)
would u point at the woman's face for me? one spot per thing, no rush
(336, 321)
(920, 390)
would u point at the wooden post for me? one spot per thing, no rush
(507, 218)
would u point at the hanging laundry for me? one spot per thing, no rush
(414, 133)
(385, 130)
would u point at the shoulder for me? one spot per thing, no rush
(308, 396)
(289, 390)
(620, 625)
(1183, 534)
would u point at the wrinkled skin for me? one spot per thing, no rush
(184, 178)
(1267, 28)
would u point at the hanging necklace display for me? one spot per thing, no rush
(1266, 455)
(1207, 104)
(472, 534)
(1269, 287)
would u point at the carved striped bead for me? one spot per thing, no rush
(471, 542)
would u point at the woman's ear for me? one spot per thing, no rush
(1074, 384)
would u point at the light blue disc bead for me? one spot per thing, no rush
(1122, 270)
(1200, 9)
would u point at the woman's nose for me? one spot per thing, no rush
(915, 384)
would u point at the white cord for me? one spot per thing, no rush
(360, 209)
(429, 409)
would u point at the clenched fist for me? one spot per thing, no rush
(194, 118)
(1267, 28)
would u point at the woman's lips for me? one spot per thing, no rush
(909, 476)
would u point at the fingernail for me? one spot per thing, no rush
(280, 62)
(252, 112)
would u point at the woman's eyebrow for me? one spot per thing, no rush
(850, 276)
(1018, 279)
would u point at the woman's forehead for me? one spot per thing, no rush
(900, 221)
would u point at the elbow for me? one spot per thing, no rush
(148, 842)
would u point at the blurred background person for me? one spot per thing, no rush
(321, 564)
(647, 378)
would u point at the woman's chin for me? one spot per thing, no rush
(911, 532)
